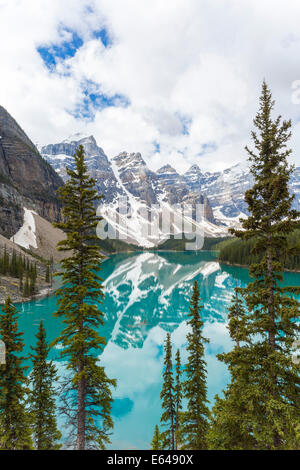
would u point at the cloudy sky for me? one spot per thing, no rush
(177, 80)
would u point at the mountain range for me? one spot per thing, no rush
(127, 174)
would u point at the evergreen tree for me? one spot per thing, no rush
(272, 404)
(157, 441)
(15, 433)
(26, 290)
(20, 266)
(87, 392)
(32, 286)
(178, 397)
(236, 318)
(51, 270)
(231, 419)
(230, 428)
(13, 266)
(5, 262)
(47, 274)
(195, 419)
(167, 397)
(21, 287)
(42, 396)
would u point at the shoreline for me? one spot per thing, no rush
(45, 292)
(246, 266)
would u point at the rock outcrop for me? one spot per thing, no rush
(26, 179)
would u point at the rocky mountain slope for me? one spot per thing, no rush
(26, 179)
(225, 190)
(9, 285)
(38, 236)
(221, 193)
(35, 240)
(128, 176)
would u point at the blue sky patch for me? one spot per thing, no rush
(94, 100)
(156, 147)
(92, 97)
(185, 122)
(54, 52)
(104, 36)
(208, 147)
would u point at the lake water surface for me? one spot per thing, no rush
(147, 295)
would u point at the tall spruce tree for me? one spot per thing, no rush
(86, 394)
(229, 427)
(42, 396)
(157, 441)
(178, 397)
(236, 318)
(195, 419)
(272, 397)
(15, 433)
(47, 276)
(167, 397)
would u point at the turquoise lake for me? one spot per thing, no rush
(147, 295)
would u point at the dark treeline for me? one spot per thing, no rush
(242, 252)
(18, 266)
(174, 244)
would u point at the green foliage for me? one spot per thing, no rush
(157, 441)
(229, 428)
(116, 246)
(47, 277)
(42, 396)
(174, 244)
(242, 252)
(178, 396)
(229, 422)
(15, 433)
(264, 377)
(86, 393)
(167, 397)
(18, 266)
(195, 419)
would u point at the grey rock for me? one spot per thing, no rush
(26, 179)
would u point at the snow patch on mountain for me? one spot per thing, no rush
(151, 193)
(26, 236)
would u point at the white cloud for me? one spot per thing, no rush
(200, 62)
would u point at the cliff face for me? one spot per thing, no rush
(26, 179)
(60, 156)
(226, 190)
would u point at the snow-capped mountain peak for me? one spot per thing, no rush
(127, 174)
(166, 169)
(77, 137)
